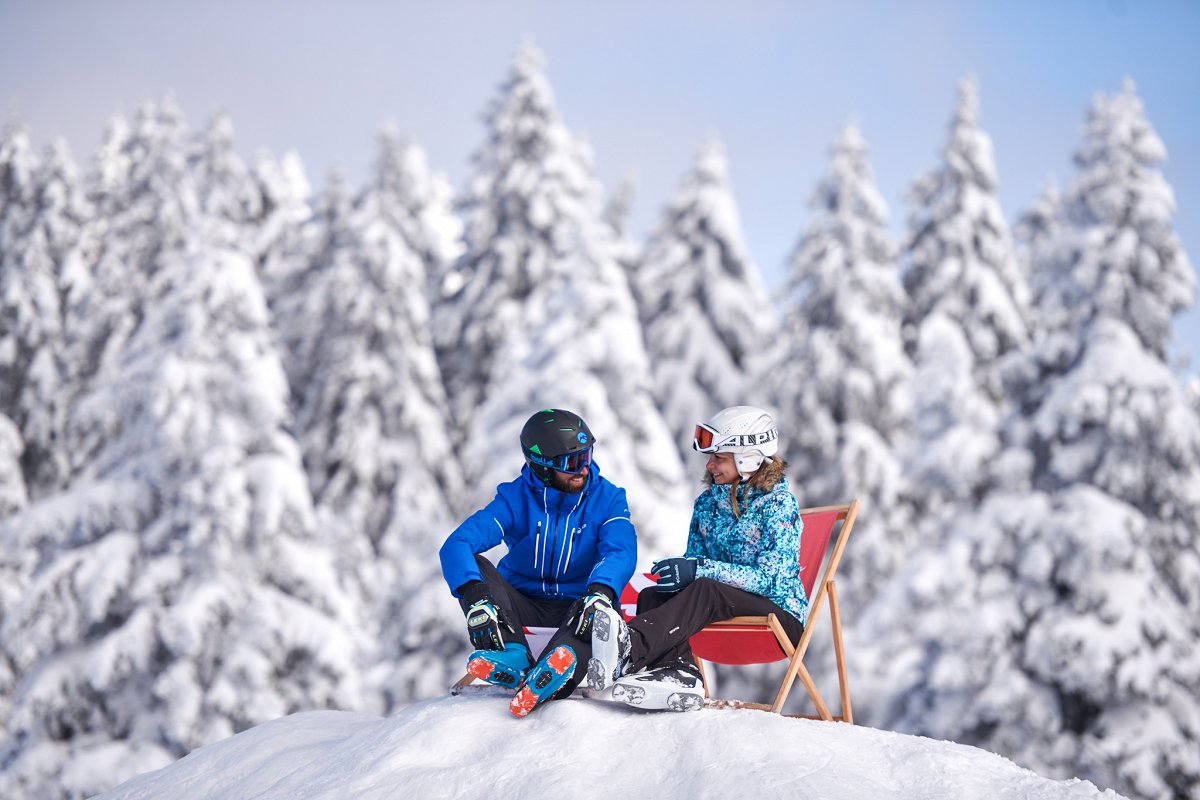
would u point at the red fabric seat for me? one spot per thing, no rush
(755, 643)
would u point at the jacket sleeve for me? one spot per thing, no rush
(478, 533)
(695, 542)
(617, 546)
(778, 561)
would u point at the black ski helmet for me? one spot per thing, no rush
(554, 439)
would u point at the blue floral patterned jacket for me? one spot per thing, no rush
(758, 551)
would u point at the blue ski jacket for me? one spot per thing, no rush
(758, 551)
(558, 543)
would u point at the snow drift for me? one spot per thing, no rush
(469, 747)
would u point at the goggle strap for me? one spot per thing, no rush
(713, 445)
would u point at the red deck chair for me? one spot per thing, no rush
(761, 640)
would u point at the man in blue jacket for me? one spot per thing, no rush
(571, 549)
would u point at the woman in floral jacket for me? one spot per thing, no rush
(742, 558)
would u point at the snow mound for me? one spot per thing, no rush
(470, 746)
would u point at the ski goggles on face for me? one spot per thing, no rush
(707, 440)
(572, 463)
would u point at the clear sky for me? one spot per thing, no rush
(644, 82)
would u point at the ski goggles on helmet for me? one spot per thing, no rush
(709, 440)
(572, 463)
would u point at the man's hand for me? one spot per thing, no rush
(674, 573)
(581, 613)
(486, 621)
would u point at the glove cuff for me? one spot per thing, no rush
(471, 593)
(600, 588)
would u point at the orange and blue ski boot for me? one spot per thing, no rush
(544, 680)
(505, 667)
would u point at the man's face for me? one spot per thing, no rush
(568, 482)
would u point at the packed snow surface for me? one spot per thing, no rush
(469, 746)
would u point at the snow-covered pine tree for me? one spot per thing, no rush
(25, 290)
(283, 230)
(1035, 233)
(1060, 627)
(959, 256)
(965, 284)
(224, 187)
(13, 499)
(840, 375)
(13, 496)
(418, 203)
(41, 215)
(180, 591)
(372, 414)
(539, 314)
(138, 213)
(705, 314)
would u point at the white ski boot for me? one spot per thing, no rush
(610, 648)
(672, 688)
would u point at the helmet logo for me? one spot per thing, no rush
(582, 437)
(536, 449)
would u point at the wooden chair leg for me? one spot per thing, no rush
(835, 618)
(461, 683)
(810, 685)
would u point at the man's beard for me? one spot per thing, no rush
(568, 484)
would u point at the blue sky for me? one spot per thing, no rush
(644, 82)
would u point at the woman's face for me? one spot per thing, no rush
(722, 468)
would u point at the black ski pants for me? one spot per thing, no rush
(659, 633)
(537, 612)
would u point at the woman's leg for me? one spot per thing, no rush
(659, 633)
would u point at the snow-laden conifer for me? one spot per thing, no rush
(13, 495)
(181, 590)
(1059, 626)
(538, 313)
(29, 311)
(42, 213)
(371, 412)
(959, 257)
(283, 229)
(840, 377)
(224, 187)
(705, 314)
(140, 218)
(1035, 233)
(961, 271)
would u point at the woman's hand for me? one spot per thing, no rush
(674, 573)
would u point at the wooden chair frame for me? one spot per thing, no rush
(826, 587)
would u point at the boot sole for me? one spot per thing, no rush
(546, 678)
(600, 670)
(657, 696)
(494, 674)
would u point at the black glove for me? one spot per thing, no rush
(674, 573)
(581, 613)
(486, 622)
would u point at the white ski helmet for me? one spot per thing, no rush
(747, 432)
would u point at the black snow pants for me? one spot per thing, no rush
(537, 612)
(659, 633)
